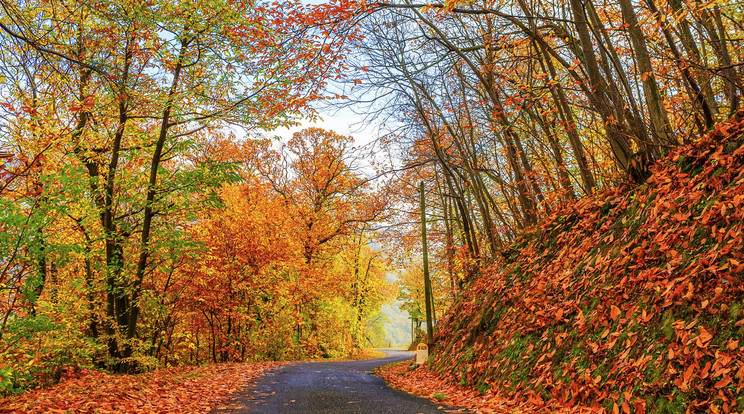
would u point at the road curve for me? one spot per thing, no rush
(346, 387)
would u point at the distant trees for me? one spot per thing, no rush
(289, 270)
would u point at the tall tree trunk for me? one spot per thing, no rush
(616, 134)
(694, 55)
(697, 96)
(569, 122)
(659, 120)
(149, 213)
(427, 280)
(713, 25)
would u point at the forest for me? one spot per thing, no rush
(151, 219)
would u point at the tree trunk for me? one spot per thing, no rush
(662, 129)
(427, 281)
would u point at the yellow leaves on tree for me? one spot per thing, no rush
(287, 269)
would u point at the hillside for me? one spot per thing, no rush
(630, 300)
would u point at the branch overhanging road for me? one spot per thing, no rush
(339, 387)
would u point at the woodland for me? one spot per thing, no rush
(581, 164)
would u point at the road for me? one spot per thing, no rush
(343, 387)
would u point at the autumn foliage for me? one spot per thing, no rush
(629, 300)
(146, 221)
(137, 228)
(285, 269)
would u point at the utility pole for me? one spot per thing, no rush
(427, 281)
(413, 332)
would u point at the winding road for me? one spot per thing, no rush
(331, 387)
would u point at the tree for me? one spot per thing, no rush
(283, 277)
(507, 110)
(121, 92)
(317, 174)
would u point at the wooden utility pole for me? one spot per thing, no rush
(413, 332)
(427, 281)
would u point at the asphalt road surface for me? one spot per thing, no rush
(331, 387)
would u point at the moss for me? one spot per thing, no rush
(483, 388)
(602, 371)
(516, 273)
(490, 317)
(735, 311)
(468, 355)
(514, 350)
(731, 146)
(606, 208)
(558, 374)
(635, 216)
(678, 404)
(703, 204)
(581, 362)
(594, 303)
(579, 267)
(654, 372)
(666, 324)
(518, 363)
(684, 164)
(697, 169)
(562, 224)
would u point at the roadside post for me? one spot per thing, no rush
(422, 353)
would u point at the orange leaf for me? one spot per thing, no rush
(688, 373)
(722, 383)
(703, 339)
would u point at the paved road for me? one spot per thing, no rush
(332, 387)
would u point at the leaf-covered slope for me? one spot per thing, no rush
(630, 299)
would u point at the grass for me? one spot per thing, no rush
(439, 395)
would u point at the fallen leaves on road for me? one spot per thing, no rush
(172, 390)
(424, 383)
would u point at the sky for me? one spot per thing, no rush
(343, 121)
